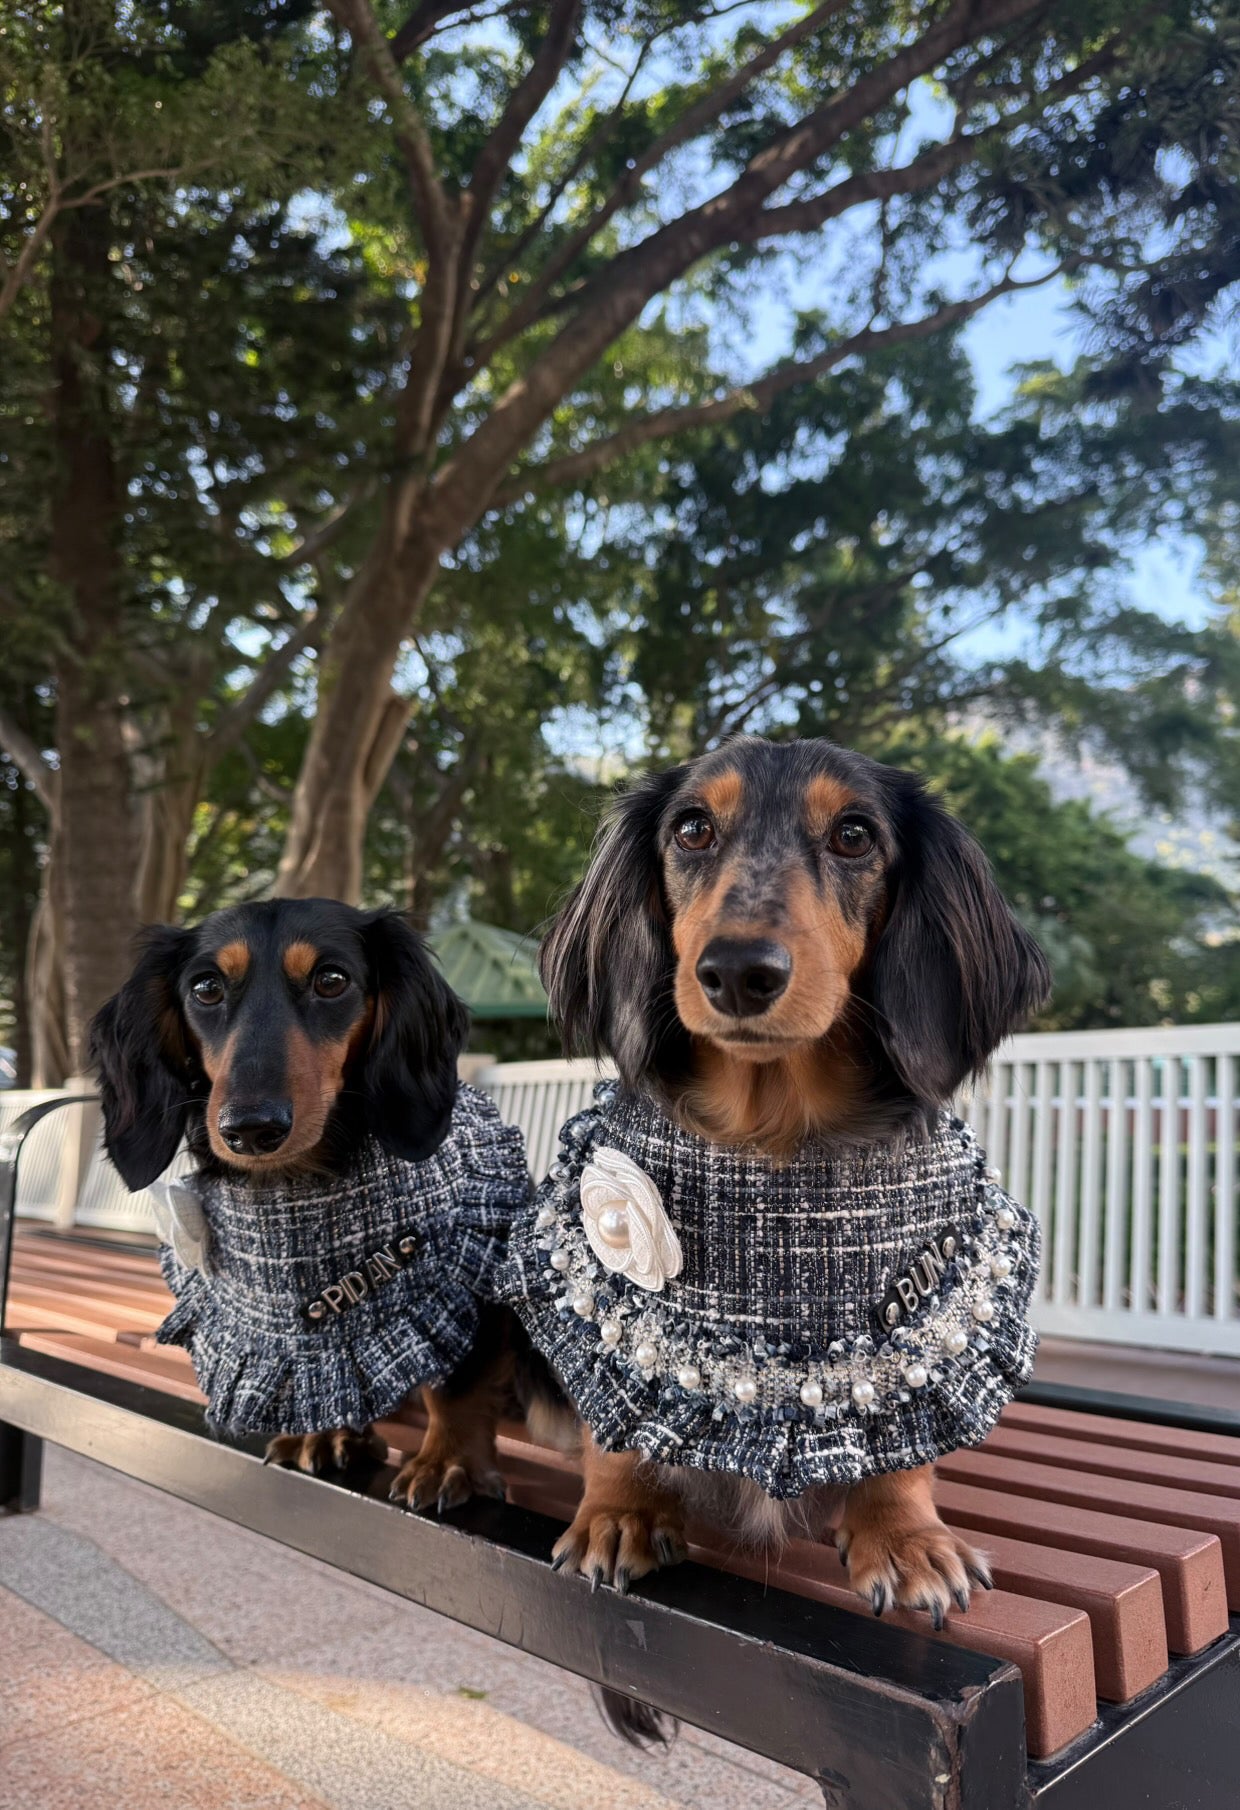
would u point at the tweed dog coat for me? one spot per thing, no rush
(321, 1301)
(852, 1312)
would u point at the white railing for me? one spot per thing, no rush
(1122, 1142)
(1124, 1145)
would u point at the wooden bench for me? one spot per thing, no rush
(1104, 1669)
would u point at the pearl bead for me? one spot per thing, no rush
(613, 1226)
(610, 1332)
(1005, 1219)
(646, 1356)
(863, 1394)
(811, 1394)
(983, 1310)
(948, 1246)
(746, 1390)
(917, 1376)
(689, 1377)
(956, 1341)
(559, 1260)
(1001, 1267)
(994, 1175)
(546, 1218)
(583, 1305)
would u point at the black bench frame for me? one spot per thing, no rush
(881, 1718)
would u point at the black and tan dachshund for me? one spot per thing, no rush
(780, 940)
(272, 1038)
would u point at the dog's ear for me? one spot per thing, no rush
(419, 1030)
(954, 971)
(607, 961)
(145, 1059)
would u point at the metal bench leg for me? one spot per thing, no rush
(21, 1471)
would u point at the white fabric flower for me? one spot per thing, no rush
(181, 1223)
(624, 1220)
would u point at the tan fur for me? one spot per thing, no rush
(299, 961)
(825, 799)
(722, 797)
(457, 1457)
(233, 961)
(626, 1525)
(774, 1105)
(898, 1551)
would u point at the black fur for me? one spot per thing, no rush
(409, 1078)
(955, 971)
(154, 1086)
(607, 961)
(149, 1078)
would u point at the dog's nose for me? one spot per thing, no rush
(257, 1127)
(742, 977)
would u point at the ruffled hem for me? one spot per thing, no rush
(258, 1381)
(788, 1451)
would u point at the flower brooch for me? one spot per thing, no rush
(625, 1222)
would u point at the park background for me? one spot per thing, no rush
(416, 418)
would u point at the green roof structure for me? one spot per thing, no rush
(495, 971)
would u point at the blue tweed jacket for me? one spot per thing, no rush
(851, 1312)
(322, 1301)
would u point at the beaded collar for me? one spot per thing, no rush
(322, 1301)
(854, 1311)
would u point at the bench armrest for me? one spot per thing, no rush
(11, 1141)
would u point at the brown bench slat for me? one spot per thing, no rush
(85, 1259)
(1189, 1563)
(1137, 1435)
(123, 1287)
(103, 1310)
(1081, 1489)
(81, 1316)
(1124, 1604)
(1175, 1470)
(152, 1368)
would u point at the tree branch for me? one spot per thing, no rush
(523, 103)
(614, 298)
(28, 756)
(430, 203)
(232, 723)
(694, 120)
(663, 423)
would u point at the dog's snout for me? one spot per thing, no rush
(256, 1127)
(742, 977)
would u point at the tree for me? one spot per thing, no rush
(138, 421)
(1091, 141)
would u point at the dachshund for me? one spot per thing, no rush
(779, 941)
(273, 1038)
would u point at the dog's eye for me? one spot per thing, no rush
(330, 983)
(208, 989)
(695, 831)
(852, 836)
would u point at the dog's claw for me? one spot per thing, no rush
(878, 1598)
(558, 1561)
(961, 1600)
(937, 1618)
(667, 1549)
(622, 1579)
(597, 1575)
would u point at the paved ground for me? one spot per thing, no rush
(153, 1655)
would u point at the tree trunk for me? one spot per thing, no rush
(97, 842)
(167, 817)
(45, 976)
(358, 725)
(25, 878)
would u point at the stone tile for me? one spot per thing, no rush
(333, 1757)
(472, 1734)
(80, 1586)
(49, 1678)
(154, 1756)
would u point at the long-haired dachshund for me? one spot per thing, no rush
(273, 1038)
(779, 941)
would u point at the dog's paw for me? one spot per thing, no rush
(922, 1567)
(445, 1476)
(340, 1449)
(617, 1545)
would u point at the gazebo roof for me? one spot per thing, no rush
(494, 971)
